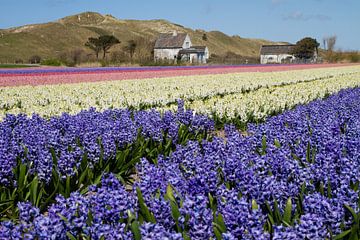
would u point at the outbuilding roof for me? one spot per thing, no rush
(191, 50)
(276, 49)
(170, 40)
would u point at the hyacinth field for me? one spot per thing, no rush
(197, 154)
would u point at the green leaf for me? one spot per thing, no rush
(22, 175)
(354, 215)
(130, 163)
(68, 186)
(39, 198)
(354, 233)
(63, 218)
(211, 201)
(254, 205)
(263, 144)
(217, 233)
(144, 210)
(354, 186)
(120, 158)
(89, 219)
(70, 236)
(268, 208)
(277, 214)
(83, 176)
(271, 220)
(34, 190)
(329, 190)
(53, 155)
(303, 188)
(169, 193)
(321, 188)
(308, 151)
(342, 235)
(220, 223)
(84, 162)
(313, 155)
(286, 224)
(135, 228)
(97, 180)
(287, 211)
(175, 212)
(185, 236)
(277, 143)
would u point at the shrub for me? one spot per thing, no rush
(104, 63)
(19, 61)
(354, 57)
(334, 57)
(51, 62)
(35, 59)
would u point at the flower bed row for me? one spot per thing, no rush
(256, 106)
(47, 75)
(72, 98)
(293, 177)
(42, 158)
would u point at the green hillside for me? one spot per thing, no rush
(49, 40)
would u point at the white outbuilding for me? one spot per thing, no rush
(178, 46)
(277, 54)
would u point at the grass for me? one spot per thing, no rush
(16, 66)
(50, 40)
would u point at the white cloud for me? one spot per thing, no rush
(299, 16)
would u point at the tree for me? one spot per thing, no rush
(75, 56)
(204, 37)
(35, 59)
(130, 48)
(305, 48)
(106, 42)
(94, 44)
(330, 42)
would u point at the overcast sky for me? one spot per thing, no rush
(277, 20)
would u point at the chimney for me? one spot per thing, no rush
(174, 33)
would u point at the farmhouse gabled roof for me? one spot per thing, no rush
(169, 40)
(276, 49)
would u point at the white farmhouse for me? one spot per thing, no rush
(276, 54)
(177, 46)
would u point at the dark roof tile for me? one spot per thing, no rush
(276, 49)
(168, 40)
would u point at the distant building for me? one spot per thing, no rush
(177, 46)
(271, 54)
(276, 54)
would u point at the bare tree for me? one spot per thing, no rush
(35, 59)
(330, 42)
(143, 51)
(130, 48)
(75, 55)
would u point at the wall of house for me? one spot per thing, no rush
(273, 58)
(166, 54)
(197, 58)
(187, 42)
(207, 54)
